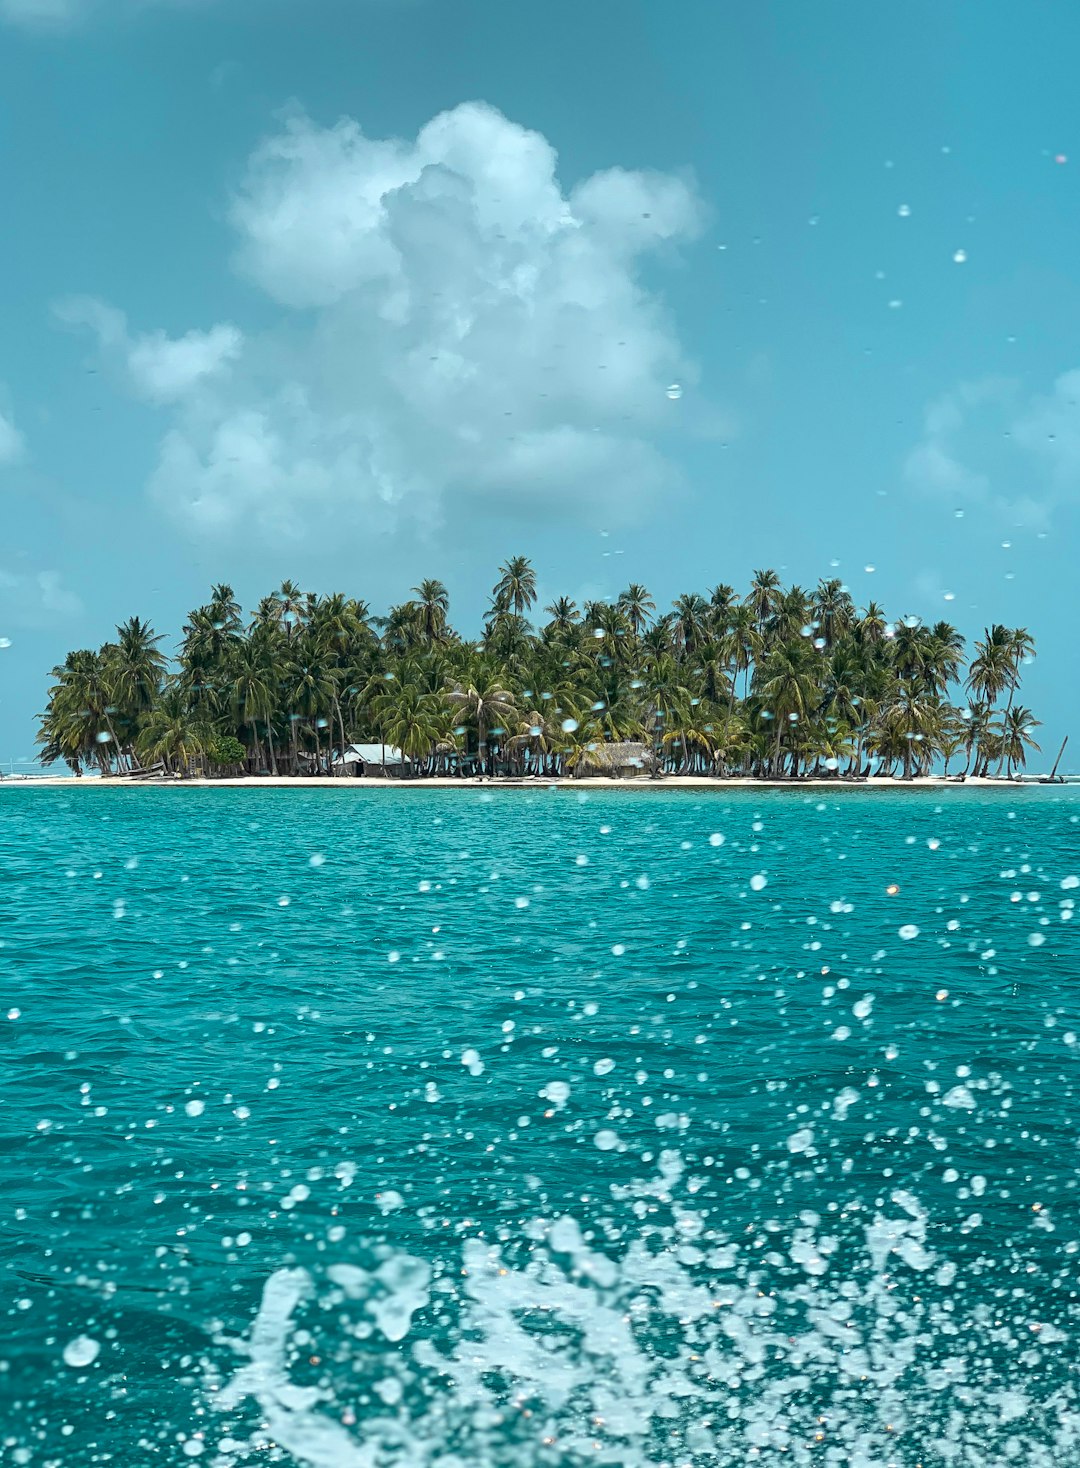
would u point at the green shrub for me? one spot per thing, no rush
(225, 750)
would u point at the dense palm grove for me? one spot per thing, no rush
(780, 682)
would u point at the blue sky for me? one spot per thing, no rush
(360, 291)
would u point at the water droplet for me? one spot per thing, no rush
(569, 725)
(908, 931)
(674, 391)
(959, 256)
(904, 211)
(195, 1107)
(82, 1351)
(758, 881)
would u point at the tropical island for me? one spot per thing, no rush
(779, 683)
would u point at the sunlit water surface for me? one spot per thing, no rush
(460, 1129)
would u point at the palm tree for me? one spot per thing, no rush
(723, 600)
(992, 670)
(253, 694)
(764, 593)
(744, 642)
(689, 615)
(173, 734)
(977, 723)
(433, 602)
(486, 703)
(564, 618)
(412, 721)
(307, 673)
(951, 741)
(691, 736)
(869, 629)
(944, 656)
(291, 602)
(515, 591)
(138, 667)
(912, 718)
(788, 690)
(833, 610)
(1021, 646)
(1017, 726)
(538, 739)
(77, 724)
(223, 607)
(638, 606)
(790, 616)
(310, 689)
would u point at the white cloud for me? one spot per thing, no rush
(42, 13)
(62, 15)
(456, 330)
(12, 443)
(36, 598)
(165, 370)
(159, 368)
(993, 446)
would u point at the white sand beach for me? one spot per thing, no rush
(443, 782)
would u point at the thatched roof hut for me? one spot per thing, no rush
(619, 761)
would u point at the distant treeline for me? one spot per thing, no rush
(779, 681)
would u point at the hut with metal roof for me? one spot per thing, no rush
(369, 761)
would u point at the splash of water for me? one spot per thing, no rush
(650, 1338)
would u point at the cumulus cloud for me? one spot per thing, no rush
(159, 368)
(12, 443)
(457, 330)
(993, 445)
(36, 598)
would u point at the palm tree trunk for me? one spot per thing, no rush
(1005, 718)
(341, 723)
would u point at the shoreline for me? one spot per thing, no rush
(451, 782)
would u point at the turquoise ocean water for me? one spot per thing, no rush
(473, 1128)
